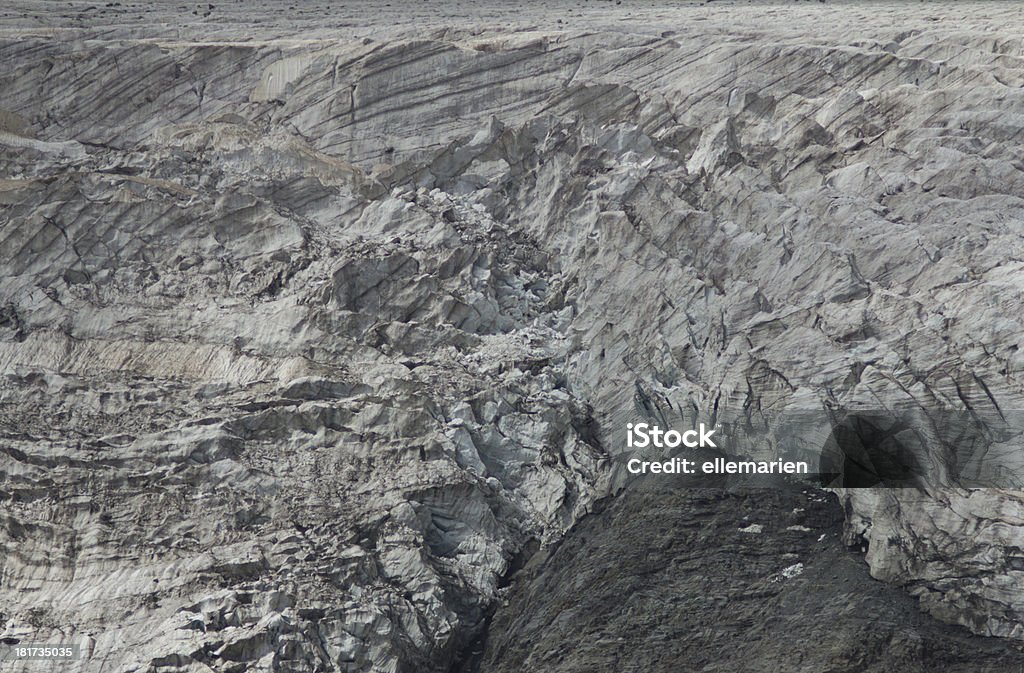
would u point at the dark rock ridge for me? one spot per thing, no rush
(314, 323)
(711, 580)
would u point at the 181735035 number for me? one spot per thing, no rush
(38, 651)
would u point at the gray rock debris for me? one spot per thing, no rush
(709, 580)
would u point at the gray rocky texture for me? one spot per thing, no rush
(316, 322)
(715, 581)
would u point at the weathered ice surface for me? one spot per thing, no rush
(316, 322)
